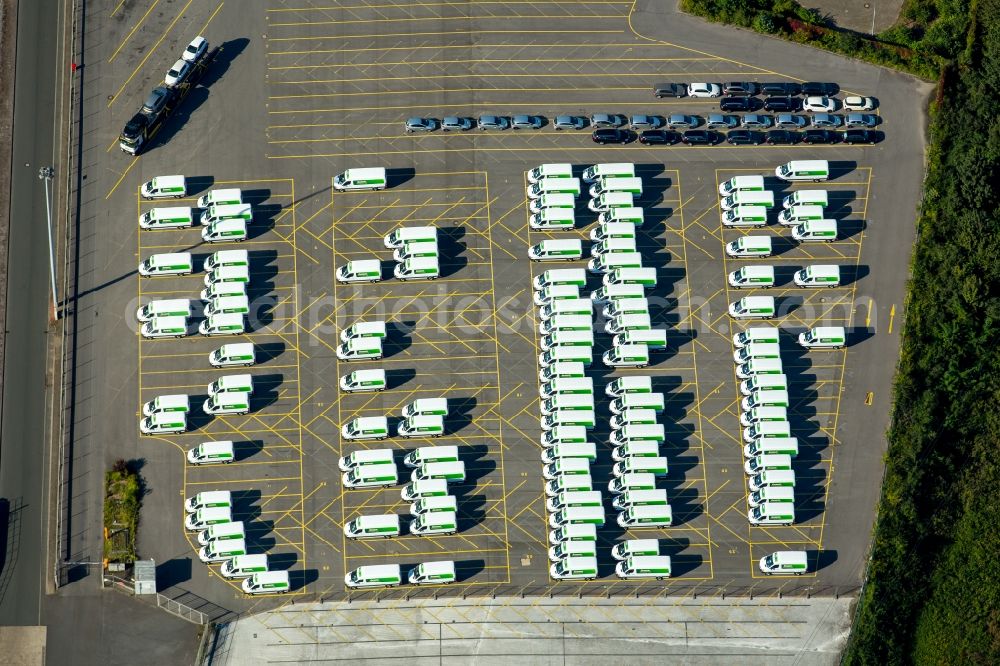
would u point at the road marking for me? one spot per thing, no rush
(132, 32)
(149, 53)
(418, 19)
(121, 178)
(892, 316)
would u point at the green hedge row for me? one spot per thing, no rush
(933, 595)
(933, 592)
(916, 49)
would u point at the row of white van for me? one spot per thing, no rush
(742, 185)
(182, 263)
(564, 317)
(769, 444)
(167, 414)
(415, 250)
(226, 280)
(567, 407)
(758, 276)
(223, 541)
(590, 174)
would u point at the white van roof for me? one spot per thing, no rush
(227, 319)
(231, 256)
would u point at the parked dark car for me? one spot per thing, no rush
(738, 88)
(780, 88)
(853, 136)
(744, 138)
(815, 88)
(700, 137)
(661, 90)
(782, 138)
(736, 104)
(609, 135)
(820, 136)
(781, 104)
(659, 137)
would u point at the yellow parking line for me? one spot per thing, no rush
(466, 91)
(446, 33)
(461, 3)
(420, 19)
(121, 178)
(508, 75)
(149, 53)
(477, 46)
(132, 31)
(479, 61)
(212, 16)
(525, 149)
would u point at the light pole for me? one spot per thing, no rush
(46, 174)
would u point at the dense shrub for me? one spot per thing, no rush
(932, 595)
(933, 34)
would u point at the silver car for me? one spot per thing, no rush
(721, 121)
(641, 122)
(607, 120)
(420, 125)
(492, 122)
(860, 120)
(456, 123)
(681, 121)
(755, 121)
(790, 121)
(826, 120)
(569, 123)
(526, 122)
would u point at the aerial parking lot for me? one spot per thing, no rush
(298, 93)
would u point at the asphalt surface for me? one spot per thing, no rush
(297, 97)
(23, 450)
(83, 621)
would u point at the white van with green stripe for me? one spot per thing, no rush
(167, 218)
(764, 199)
(657, 567)
(560, 276)
(745, 216)
(814, 170)
(371, 178)
(646, 516)
(608, 170)
(218, 213)
(799, 214)
(586, 450)
(629, 215)
(225, 231)
(174, 263)
(549, 185)
(644, 276)
(552, 219)
(645, 432)
(547, 201)
(818, 275)
(616, 184)
(559, 170)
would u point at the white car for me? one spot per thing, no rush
(819, 105)
(195, 50)
(178, 73)
(859, 103)
(704, 89)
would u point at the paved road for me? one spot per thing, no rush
(22, 447)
